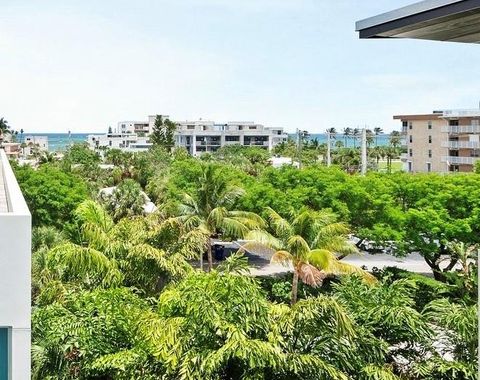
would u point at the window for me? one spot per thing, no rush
(252, 127)
(410, 167)
(410, 152)
(429, 153)
(453, 122)
(240, 127)
(410, 138)
(429, 167)
(429, 125)
(429, 139)
(405, 124)
(232, 138)
(410, 125)
(4, 350)
(190, 127)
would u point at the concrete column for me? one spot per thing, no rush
(194, 144)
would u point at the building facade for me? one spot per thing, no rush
(441, 141)
(203, 136)
(32, 144)
(199, 136)
(130, 142)
(15, 283)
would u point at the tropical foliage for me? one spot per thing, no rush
(117, 293)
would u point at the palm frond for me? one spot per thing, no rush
(282, 228)
(282, 257)
(297, 245)
(261, 238)
(310, 275)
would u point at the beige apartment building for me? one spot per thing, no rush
(441, 141)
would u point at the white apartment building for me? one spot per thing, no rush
(197, 136)
(130, 142)
(15, 283)
(207, 136)
(32, 143)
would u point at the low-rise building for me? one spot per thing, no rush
(199, 136)
(15, 278)
(441, 141)
(130, 142)
(12, 149)
(34, 144)
(207, 136)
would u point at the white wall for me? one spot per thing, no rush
(15, 280)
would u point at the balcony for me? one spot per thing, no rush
(460, 160)
(461, 129)
(461, 144)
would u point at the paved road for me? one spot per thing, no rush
(261, 266)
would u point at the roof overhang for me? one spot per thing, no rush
(440, 20)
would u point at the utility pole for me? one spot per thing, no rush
(364, 151)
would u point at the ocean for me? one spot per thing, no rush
(381, 140)
(58, 142)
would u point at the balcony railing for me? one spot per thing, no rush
(461, 129)
(460, 160)
(461, 144)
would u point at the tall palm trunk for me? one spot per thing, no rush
(209, 254)
(201, 260)
(294, 287)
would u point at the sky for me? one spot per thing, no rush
(85, 65)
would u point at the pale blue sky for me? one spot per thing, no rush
(84, 65)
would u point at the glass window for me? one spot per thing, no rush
(429, 139)
(429, 125)
(410, 152)
(429, 167)
(4, 349)
(429, 153)
(410, 138)
(410, 125)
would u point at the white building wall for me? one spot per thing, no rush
(15, 278)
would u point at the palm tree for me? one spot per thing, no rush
(377, 154)
(370, 138)
(126, 200)
(395, 139)
(356, 132)
(333, 132)
(4, 128)
(310, 241)
(377, 131)
(102, 253)
(46, 158)
(347, 132)
(208, 210)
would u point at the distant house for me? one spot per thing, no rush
(278, 162)
(34, 144)
(12, 149)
